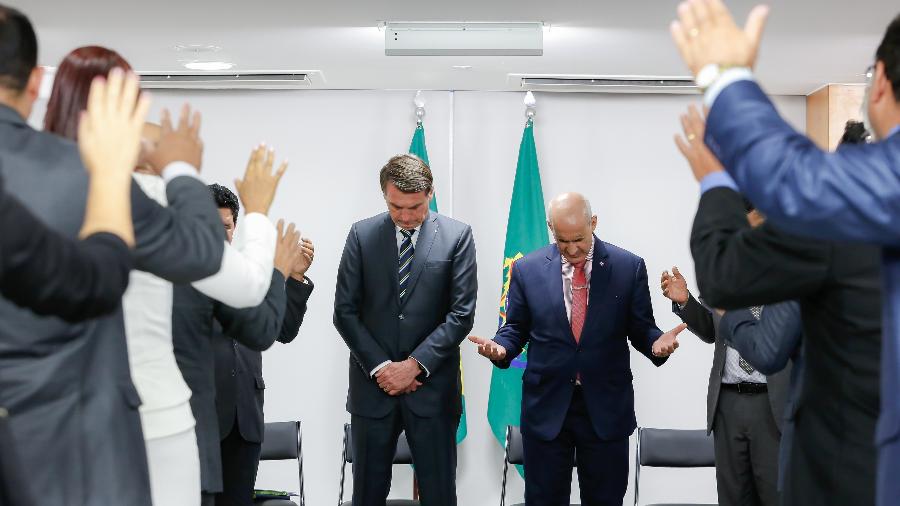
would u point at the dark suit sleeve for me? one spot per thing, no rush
(298, 294)
(446, 338)
(256, 327)
(699, 319)
(738, 266)
(53, 275)
(768, 343)
(642, 329)
(516, 331)
(180, 243)
(347, 300)
(850, 194)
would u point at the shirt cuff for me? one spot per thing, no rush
(728, 77)
(177, 169)
(717, 179)
(378, 368)
(427, 372)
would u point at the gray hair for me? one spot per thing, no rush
(409, 173)
(588, 213)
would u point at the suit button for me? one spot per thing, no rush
(234, 344)
(401, 316)
(232, 372)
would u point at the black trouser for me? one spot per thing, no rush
(746, 440)
(432, 442)
(240, 462)
(602, 465)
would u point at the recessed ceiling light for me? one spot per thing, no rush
(462, 67)
(208, 65)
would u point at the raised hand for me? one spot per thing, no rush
(257, 189)
(488, 348)
(702, 161)
(674, 286)
(305, 261)
(109, 133)
(109, 142)
(706, 33)
(181, 144)
(288, 250)
(668, 342)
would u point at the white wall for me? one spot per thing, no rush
(616, 149)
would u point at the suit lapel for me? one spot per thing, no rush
(391, 256)
(600, 274)
(427, 233)
(553, 277)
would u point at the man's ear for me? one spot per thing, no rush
(33, 87)
(880, 85)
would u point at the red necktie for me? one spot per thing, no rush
(579, 300)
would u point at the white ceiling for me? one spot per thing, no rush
(807, 43)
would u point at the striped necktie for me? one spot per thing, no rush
(406, 256)
(756, 311)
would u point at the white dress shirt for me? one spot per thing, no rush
(147, 305)
(568, 274)
(400, 238)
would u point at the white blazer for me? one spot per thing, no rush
(242, 281)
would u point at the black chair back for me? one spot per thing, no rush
(676, 448)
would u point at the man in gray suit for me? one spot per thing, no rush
(73, 408)
(404, 301)
(745, 408)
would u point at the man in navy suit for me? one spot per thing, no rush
(851, 194)
(574, 303)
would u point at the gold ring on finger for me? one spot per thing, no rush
(691, 137)
(693, 32)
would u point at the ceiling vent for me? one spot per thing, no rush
(604, 84)
(252, 80)
(463, 39)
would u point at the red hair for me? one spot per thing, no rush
(72, 85)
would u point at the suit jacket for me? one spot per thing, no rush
(240, 387)
(618, 309)
(32, 256)
(74, 409)
(703, 323)
(838, 288)
(767, 344)
(850, 194)
(199, 321)
(430, 322)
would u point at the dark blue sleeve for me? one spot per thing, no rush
(768, 343)
(53, 275)
(851, 194)
(642, 329)
(515, 333)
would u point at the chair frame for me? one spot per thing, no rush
(344, 456)
(299, 431)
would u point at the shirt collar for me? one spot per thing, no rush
(397, 229)
(894, 130)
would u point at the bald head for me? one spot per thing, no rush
(571, 208)
(570, 219)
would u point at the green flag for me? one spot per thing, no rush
(526, 231)
(417, 147)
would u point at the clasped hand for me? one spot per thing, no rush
(399, 378)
